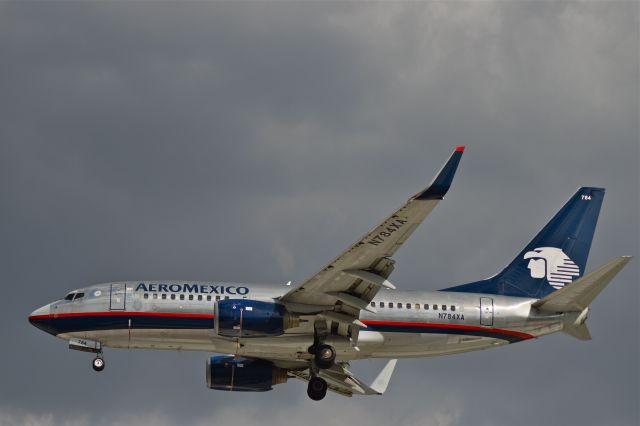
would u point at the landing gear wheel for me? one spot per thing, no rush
(98, 364)
(317, 388)
(325, 356)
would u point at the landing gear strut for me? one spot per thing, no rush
(317, 388)
(98, 363)
(324, 357)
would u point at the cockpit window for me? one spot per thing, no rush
(73, 295)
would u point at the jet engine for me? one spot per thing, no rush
(243, 374)
(251, 318)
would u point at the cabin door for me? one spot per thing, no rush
(486, 311)
(117, 301)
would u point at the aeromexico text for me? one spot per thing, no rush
(193, 288)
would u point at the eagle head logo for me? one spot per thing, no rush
(553, 264)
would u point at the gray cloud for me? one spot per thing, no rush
(253, 142)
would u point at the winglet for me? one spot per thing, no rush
(442, 182)
(381, 382)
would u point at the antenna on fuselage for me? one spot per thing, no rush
(238, 344)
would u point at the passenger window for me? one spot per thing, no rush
(453, 308)
(444, 307)
(182, 297)
(155, 295)
(373, 304)
(199, 297)
(146, 295)
(408, 305)
(209, 298)
(435, 307)
(426, 306)
(191, 297)
(226, 298)
(173, 296)
(164, 296)
(382, 304)
(417, 306)
(390, 304)
(399, 305)
(217, 297)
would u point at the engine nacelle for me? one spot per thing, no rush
(243, 374)
(251, 318)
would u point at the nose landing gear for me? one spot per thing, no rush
(98, 363)
(86, 345)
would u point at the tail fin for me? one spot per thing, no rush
(554, 258)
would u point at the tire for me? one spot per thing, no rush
(317, 388)
(98, 364)
(325, 356)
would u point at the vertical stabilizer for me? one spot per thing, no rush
(555, 257)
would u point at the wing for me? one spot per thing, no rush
(341, 381)
(347, 284)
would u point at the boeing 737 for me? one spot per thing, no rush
(349, 310)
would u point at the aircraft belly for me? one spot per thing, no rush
(184, 339)
(293, 347)
(405, 345)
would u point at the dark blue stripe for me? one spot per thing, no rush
(111, 322)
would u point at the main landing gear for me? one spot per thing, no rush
(324, 356)
(317, 388)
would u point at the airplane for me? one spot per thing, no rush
(349, 310)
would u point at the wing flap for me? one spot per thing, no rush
(341, 381)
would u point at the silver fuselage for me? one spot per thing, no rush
(179, 315)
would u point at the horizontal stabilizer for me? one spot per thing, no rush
(578, 295)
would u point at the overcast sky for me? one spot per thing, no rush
(254, 141)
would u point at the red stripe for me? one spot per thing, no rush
(120, 314)
(453, 326)
(460, 148)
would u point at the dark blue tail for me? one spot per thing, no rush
(554, 258)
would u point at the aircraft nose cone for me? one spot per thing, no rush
(41, 319)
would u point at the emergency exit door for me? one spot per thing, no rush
(486, 311)
(117, 300)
